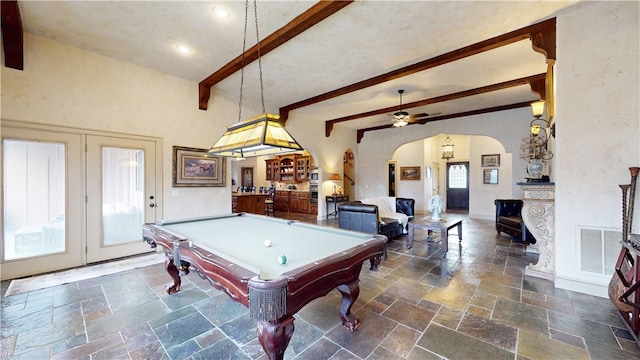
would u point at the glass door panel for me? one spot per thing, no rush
(122, 195)
(34, 198)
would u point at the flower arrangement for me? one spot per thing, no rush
(436, 205)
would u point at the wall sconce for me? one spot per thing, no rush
(334, 178)
(534, 147)
(447, 148)
(539, 122)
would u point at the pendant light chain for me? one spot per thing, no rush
(255, 12)
(244, 47)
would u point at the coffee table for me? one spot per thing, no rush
(443, 226)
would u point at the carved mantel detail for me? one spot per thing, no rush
(538, 214)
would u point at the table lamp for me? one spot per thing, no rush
(334, 178)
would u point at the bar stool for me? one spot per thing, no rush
(269, 206)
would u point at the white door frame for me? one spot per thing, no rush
(76, 230)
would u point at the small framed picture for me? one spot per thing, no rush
(490, 176)
(410, 173)
(491, 160)
(191, 168)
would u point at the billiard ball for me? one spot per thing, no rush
(282, 259)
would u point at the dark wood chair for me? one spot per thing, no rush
(269, 204)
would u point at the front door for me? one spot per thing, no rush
(121, 195)
(458, 186)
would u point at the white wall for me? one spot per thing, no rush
(482, 196)
(598, 128)
(67, 86)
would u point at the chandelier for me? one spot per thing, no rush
(447, 148)
(258, 136)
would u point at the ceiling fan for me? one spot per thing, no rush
(401, 118)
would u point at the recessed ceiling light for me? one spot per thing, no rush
(220, 12)
(183, 49)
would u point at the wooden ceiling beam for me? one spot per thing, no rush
(542, 36)
(534, 79)
(12, 35)
(361, 132)
(302, 22)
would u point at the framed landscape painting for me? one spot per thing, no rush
(410, 173)
(193, 168)
(491, 160)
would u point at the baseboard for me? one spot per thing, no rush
(598, 290)
(482, 216)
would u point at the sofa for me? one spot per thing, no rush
(400, 209)
(509, 220)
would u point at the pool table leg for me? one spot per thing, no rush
(375, 262)
(274, 336)
(174, 287)
(350, 293)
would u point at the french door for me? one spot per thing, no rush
(121, 196)
(71, 198)
(42, 197)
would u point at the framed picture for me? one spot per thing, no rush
(490, 176)
(410, 173)
(491, 160)
(192, 168)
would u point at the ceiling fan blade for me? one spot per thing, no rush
(424, 115)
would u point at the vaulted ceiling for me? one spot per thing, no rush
(342, 62)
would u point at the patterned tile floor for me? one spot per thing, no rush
(475, 304)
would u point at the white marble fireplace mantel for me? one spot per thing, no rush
(538, 214)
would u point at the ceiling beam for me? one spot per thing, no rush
(12, 35)
(301, 23)
(360, 132)
(542, 35)
(534, 79)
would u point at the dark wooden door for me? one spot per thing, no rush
(458, 186)
(391, 178)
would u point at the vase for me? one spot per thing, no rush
(535, 168)
(435, 215)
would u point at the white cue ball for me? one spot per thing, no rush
(267, 243)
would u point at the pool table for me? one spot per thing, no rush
(230, 251)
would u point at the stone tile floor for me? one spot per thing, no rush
(475, 304)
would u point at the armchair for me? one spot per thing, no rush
(509, 220)
(356, 216)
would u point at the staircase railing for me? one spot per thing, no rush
(347, 177)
